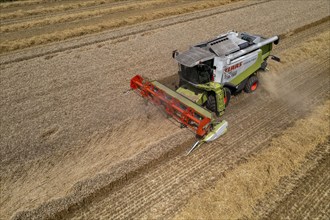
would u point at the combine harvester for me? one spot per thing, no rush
(209, 73)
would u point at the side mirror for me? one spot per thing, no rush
(276, 58)
(174, 53)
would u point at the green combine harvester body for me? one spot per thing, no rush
(210, 72)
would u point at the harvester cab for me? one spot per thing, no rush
(209, 73)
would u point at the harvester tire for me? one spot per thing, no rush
(227, 96)
(252, 84)
(211, 103)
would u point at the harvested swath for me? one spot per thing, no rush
(235, 195)
(12, 4)
(20, 3)
(22, 13)
(81, 15)
(8, 45)
(304, 194)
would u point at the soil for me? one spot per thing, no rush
(77, 143)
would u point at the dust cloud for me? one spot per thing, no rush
(278, 80)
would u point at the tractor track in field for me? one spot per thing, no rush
(81, 9)
(85, 16)
(43, 50)
(139, 194)
(74, 91)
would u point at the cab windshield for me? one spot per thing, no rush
(199, 74)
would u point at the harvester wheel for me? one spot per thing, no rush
(211, 103)
(252, 84)
(227, 96)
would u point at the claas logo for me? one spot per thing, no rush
(233, 67)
